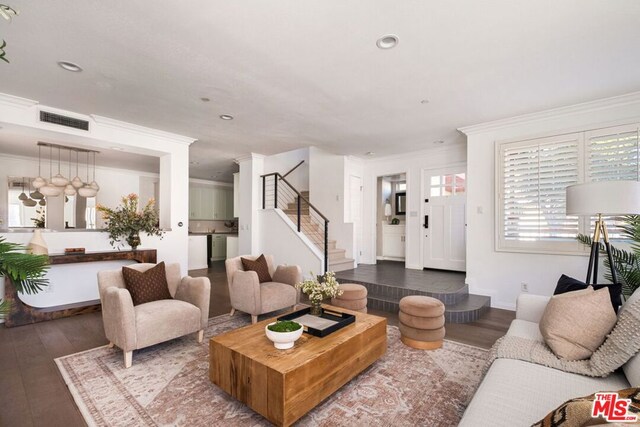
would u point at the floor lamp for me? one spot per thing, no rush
(610, 198)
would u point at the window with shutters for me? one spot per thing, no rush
(532, 180)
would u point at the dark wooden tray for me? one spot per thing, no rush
(341, 320)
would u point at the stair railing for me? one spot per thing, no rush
(278, 193)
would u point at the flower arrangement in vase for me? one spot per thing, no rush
(126, 221)
(320, 288)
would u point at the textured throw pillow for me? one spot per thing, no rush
(623, 342)
(569, 284)
(260, 266)
(576, 323)
(577, 412)
(146, 286)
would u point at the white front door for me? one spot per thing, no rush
(444, 220)
(355, 213)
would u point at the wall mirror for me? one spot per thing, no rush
(401, 203)
(28, 208)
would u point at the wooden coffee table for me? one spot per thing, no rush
(283, 385)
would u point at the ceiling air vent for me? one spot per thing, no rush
(57, 119)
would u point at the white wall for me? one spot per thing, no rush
(283, 162)
(328, 187)
(280, 239)
(500, 274)
(412, 164)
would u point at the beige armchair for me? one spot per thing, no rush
(132, 327)
(250, 296)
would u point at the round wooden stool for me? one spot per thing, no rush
(354, 297)
(421, 322)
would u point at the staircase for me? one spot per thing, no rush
(310, 227)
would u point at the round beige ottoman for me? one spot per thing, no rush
(421, 322)
(354, 297)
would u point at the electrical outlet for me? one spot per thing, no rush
(524, 287)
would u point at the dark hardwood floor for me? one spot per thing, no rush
(33, 392)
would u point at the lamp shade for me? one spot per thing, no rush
(604, 197)
(387, 209)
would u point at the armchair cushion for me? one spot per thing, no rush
(275, 296)
(147, 286)
(162, 320)
(259, 265)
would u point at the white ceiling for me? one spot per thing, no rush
(297, 73)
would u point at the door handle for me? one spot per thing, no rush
(426, 221)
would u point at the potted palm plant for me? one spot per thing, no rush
(25, 270)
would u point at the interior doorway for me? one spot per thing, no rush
(444, 219)
(391, 210)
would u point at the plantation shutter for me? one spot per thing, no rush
(535, 175)
(612, 154)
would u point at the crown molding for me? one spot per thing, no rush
(554, 113)
(16, 101)
(141, 130)
(247, 157)
(418, 153)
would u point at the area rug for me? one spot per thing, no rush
(168, 385)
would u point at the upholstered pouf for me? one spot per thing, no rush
(354, 297)
(421, 322)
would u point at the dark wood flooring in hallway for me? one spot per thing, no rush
(33, 392)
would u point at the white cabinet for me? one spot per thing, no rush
(232, 247)
(197, 252)
(218, 247)
(210, 203)
(393, 241)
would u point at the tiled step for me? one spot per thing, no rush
(340, 264)
(460, 306)
(397, 292)
(468, 310)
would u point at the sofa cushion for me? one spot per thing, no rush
(632, 367)
(162, 320)
(525, 329)
(569, 284)
(146, 286)
(260, 266)
(576, 323)
(517, 393)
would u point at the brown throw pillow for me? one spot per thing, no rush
(577, 412)
(576, 323)
(146, 286)
(260, 266)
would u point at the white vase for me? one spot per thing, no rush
(37, 245)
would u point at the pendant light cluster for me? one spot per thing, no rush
(57, 184)
(33, 198)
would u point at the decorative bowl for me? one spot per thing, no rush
(283, 340)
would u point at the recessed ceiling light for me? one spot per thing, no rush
(117, 148)
(387, 41)
(370, 153)
(70, 66)
(226, 117)
(205, 99)
(439, 141)
(424, 101)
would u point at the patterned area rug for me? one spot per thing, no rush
(168, 384)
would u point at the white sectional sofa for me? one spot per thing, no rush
(516, 393)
